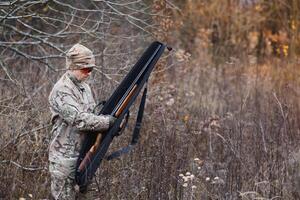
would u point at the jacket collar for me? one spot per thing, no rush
(76, 82)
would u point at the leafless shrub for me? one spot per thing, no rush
(221, 119)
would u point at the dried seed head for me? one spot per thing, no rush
(185, 178)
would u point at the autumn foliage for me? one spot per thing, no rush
(222, 115)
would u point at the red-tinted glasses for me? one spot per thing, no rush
(86, 70)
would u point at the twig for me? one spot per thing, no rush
(25, 133)
(263, 135)
(31, 168)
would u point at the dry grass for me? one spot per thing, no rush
(221, 119)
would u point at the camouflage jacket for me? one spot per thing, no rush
(71, 104)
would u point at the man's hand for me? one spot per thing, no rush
(111, 120)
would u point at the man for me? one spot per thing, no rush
(71, 104)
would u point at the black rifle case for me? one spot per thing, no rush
(135, 79)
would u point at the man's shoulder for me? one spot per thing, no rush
(63, 84)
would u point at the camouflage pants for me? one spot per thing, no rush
(63, 186)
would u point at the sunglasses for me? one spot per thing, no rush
(86, 70)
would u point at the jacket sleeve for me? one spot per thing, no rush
(65, 104)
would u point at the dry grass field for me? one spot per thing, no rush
(223, 111)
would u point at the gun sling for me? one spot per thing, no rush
(94, 147)
(136, 131)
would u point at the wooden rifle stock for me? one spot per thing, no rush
(90, 153)
(93, 149)
(87, 158)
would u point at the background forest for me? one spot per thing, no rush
(223, 109)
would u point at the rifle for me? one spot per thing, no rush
(95, 146)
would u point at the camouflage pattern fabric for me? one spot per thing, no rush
(64, 187)
(71, 104)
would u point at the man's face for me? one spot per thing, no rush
(83, 74)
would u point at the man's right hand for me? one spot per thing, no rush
(111, 120)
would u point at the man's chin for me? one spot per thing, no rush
(85, 78)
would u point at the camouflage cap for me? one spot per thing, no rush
(79, 57)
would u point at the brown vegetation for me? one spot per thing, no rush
(222, 114)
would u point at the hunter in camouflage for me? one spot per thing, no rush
(71, 104)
